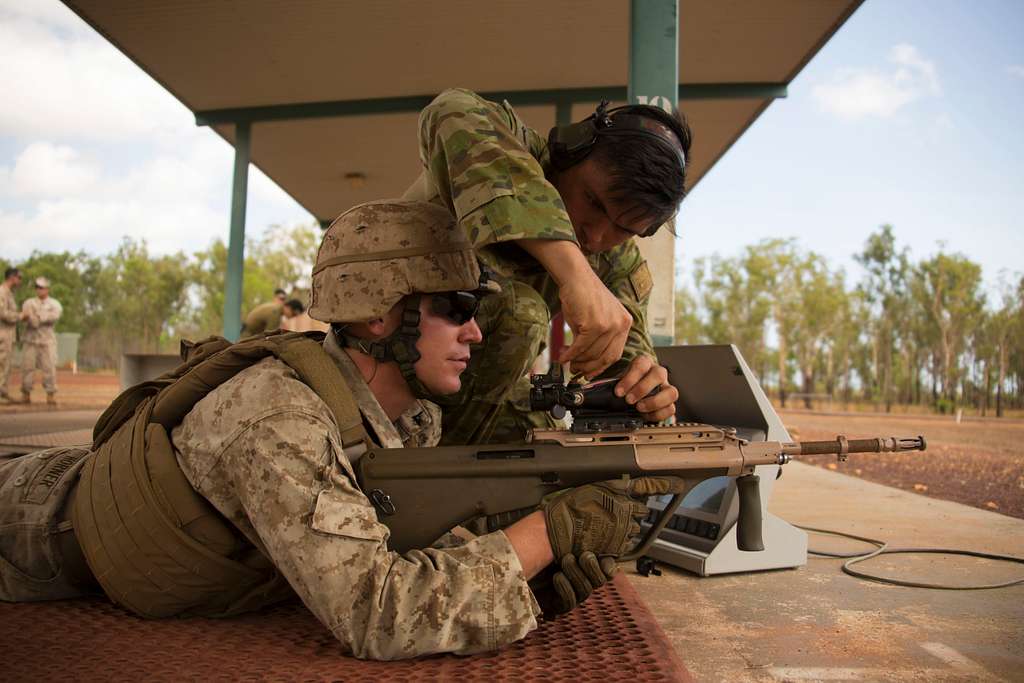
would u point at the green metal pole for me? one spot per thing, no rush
(654, 53)
(236, 241)
(654, 80)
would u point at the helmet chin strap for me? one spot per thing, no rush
(399, 346)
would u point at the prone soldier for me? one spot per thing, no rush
(238, 470)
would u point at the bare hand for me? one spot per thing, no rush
(599, 323)
(641, 378)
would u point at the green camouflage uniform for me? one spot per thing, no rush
(263, 318)
(483, 163)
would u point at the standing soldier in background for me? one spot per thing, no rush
(39, 344)
(9, 319)
(265, 317)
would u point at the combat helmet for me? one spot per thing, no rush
(375, 254)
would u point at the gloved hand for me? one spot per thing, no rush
(601, 517)
(596, 517)
(579, 577)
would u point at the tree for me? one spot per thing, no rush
(1004, 332)
(688, 326)
(735, 305)
(139, 300)
(280, 259)
(948, 287)
(885, 291)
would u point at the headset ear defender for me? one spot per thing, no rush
(569, 145)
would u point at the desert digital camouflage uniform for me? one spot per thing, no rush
(9, 316)
(266, 452)
(39, 343)
(276, 469)
(483, 163)
(263, 318)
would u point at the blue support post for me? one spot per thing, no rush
(654, 80)
(654, 53)
(236, 241)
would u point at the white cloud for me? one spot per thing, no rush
(44, 169)
(1016, 70)
(103, 151)
(174, 200)
(854, 93)
(70, 83)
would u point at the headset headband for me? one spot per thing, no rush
(571, 144)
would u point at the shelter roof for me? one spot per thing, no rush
(333, 88)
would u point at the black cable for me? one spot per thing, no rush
(882, 548)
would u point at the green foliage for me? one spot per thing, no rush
(132, 301)
(281, 259)
(906, 332)
(138, 293)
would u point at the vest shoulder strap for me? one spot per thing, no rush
(213, 361)
(314, 367)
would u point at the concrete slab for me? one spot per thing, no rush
(816, 623)
(33, 431)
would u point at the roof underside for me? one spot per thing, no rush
(240, 54)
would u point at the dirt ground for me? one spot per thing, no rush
(75, 391)
(979, 462)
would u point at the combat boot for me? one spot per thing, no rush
(26, 397)
(51, 400)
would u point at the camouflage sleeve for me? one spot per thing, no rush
(51, 313)
(8, 308)
(296, 487)
(30, 307)
(626, 274)
(478, 155)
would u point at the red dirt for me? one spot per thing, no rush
(979, 462)
(75, 391)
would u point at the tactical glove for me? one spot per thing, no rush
(579, 577)
(599, 517)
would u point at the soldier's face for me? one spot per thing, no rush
(600, 222)
(444, 349)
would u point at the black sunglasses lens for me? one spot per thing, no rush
(459, 307)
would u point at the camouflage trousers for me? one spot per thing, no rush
(493, 405)
(42, 357)
(6, 351)
(39, 556)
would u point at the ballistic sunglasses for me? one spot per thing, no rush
(459, 307)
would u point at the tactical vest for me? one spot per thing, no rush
(153, 543)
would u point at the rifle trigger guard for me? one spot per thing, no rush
(383, 502)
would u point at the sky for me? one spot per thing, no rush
(910, 115)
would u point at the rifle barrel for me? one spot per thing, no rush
(842, 445)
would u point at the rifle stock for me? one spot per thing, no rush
(421, 493)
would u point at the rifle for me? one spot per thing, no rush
(421, 493)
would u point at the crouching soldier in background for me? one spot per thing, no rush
(200, 501)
